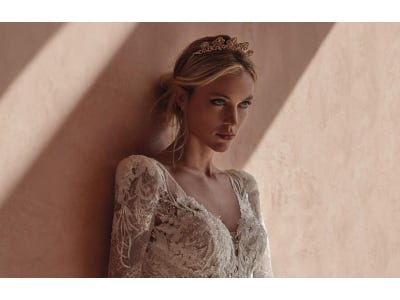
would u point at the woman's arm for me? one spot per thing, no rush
(137, 184)
(264, 266)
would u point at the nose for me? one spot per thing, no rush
(231, 116)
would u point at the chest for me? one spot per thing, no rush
(216, 196)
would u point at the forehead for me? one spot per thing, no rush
(241, 86)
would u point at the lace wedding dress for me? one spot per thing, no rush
(159, 231)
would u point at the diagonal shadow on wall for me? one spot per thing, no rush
(62, 208)
(20, 42)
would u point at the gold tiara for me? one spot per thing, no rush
(221, 44)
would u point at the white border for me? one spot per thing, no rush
(199, 11)
(170, 288)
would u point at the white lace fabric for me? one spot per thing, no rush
(159, 231)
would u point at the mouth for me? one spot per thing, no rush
(226, 136)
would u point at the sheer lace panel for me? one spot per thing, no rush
(137, 185)
(263, 266)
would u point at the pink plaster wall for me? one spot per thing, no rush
(322, 142)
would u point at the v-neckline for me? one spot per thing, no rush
(234, 234)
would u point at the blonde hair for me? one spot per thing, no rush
(191, 71)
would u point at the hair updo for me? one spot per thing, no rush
(191, 71)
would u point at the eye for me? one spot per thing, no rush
(246, 102)
(216, 101)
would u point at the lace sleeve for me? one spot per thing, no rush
(264, 266)
(137, 184)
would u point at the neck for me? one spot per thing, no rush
(202, 168)
(194, 161)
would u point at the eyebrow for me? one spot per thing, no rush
(224, 96)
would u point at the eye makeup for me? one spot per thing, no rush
(222, 101)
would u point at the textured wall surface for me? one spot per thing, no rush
(329, 162)
(322, 140)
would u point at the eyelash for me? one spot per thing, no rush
(248, 102)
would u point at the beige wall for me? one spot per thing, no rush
(322, 141)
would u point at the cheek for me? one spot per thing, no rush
(203, 119)
(242, 116)
(206, 112)
(202, 122)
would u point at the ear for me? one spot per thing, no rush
(182, 98)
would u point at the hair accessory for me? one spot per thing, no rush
(220, 44)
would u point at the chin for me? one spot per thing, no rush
(220, 148)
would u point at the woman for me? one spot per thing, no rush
(176, 214)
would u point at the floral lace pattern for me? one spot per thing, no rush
(159, 231)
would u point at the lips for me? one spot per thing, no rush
(226, 136)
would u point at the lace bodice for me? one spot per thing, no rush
(160, 231)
